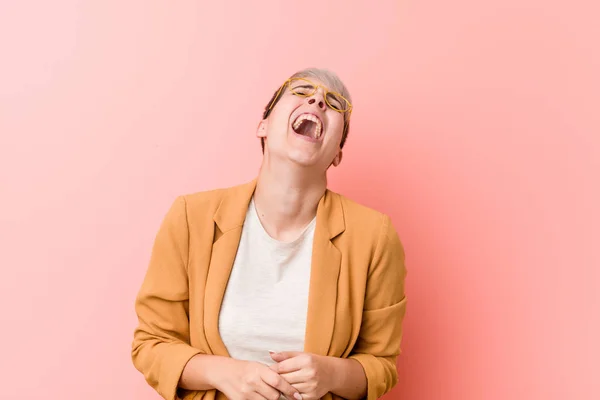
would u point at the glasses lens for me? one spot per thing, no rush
(337, 102)
(302, 87)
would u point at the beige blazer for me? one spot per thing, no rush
(356, 301)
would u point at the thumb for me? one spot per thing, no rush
(283, 355)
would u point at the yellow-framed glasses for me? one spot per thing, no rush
(305, 88)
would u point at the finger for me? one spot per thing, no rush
(295, 377)
(283, 355)
(266, 391)
(289, 365)
(254, 394)
(277, 382)
(305, 389)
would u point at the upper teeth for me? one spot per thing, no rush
(312, 118)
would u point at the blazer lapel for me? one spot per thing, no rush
(229, 220)
(325, 270)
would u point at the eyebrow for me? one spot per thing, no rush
(307, 86)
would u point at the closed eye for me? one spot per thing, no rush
(303, 90)
(334, 101)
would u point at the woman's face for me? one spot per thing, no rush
(304, 128)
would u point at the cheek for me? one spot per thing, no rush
(336, 122)
(281, 113)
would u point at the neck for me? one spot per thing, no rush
(287, 196)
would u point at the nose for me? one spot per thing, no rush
(321, 103)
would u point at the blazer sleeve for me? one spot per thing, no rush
(160, 348)
(378, 343)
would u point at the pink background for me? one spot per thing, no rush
(476, 127)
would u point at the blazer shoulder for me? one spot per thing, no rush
(371, 226)
(361, 216)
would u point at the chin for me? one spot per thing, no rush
(304, 158)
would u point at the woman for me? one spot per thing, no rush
(277, 287)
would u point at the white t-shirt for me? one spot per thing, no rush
(266, 300)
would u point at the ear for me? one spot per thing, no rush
(338, 159)
(261, 130)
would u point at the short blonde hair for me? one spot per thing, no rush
(330, 79)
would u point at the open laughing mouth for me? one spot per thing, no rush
(308, 125)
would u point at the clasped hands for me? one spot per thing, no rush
(295, 375)
(310, 374)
